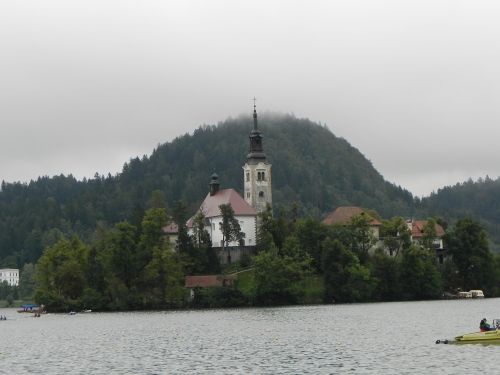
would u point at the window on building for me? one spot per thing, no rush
(248, 194)
(263, 176)
(261, 194)
(248, 176)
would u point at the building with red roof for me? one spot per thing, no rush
(417, 228)
(209, 281)
(343, 215)
(243, 212)
(258, 195)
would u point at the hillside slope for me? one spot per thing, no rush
(479, 200)
(311, 166)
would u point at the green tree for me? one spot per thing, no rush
(230, 228)
(385, 271)
(396, 235)
(420, 279)
(61, 273)
(122, 249)
(165, 278)
(155, 219)
(27, 281)
(157, 199)
(311, 234)
(265, 229)
(429, 235)
(469, 248)
(180, 217)
(362, 237)
(345, 279)
(278, 280)
(205, 258)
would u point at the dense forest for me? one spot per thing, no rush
(298, 261)
(476, 199)
(311, 167)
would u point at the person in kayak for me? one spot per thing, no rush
(485, 326)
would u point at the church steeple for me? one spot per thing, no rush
(256, 151)
(257, 171)
(254, 114)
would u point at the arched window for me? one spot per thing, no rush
(261, 194)
(263, 176)
(248, 176)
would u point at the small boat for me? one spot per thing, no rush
(72, 313)
(477, 293)
(484, 337)
(29, 308)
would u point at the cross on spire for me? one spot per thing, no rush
(254, 114)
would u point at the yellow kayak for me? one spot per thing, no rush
(487, 336)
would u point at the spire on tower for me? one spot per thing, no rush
(256, 149)
(254, 114)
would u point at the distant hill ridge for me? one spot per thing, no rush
(311, 166)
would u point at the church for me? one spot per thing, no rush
(257, 190)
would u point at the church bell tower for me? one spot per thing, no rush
(257, 171)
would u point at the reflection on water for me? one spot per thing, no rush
(384, 338)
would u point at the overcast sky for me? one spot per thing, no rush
(414, 85)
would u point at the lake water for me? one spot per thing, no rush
(380, 338)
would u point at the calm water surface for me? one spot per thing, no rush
(384, 338)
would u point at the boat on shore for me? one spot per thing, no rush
(29, 308)
(475, 293)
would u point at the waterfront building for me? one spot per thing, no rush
(245, 214)
(257, 188)
(9, 275)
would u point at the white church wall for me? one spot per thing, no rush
(247, 224)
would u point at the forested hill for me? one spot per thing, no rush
(311, 166)
(479, 200)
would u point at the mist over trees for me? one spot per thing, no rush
(311, 166)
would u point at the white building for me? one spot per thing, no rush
(257, 195)
(257, 172)
(10, 275)
(243, 212)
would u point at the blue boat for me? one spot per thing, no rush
(29, 308)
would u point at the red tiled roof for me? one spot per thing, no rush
(172, 228)
(210, 206)
(343, 215)
(208, 281)
(417, 229)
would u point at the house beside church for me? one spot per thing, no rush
(416, 228)
(343, 216)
